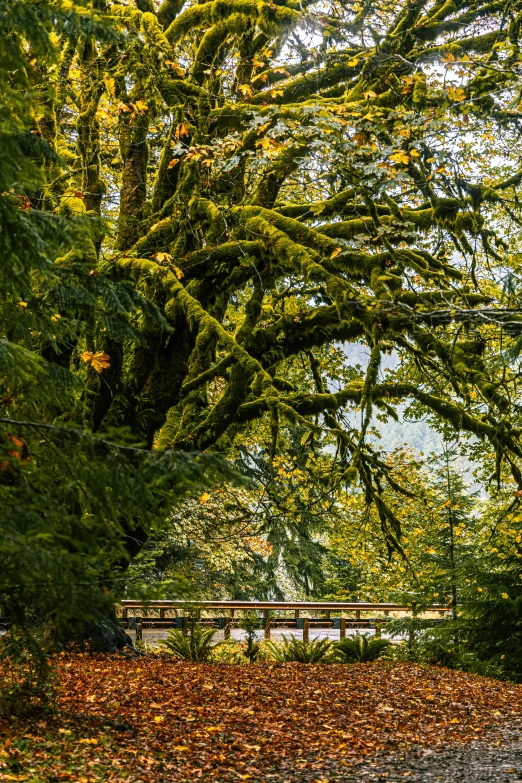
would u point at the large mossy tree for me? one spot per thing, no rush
(261, 182)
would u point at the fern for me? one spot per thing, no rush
(297, 651)
(196, 646)
(359, 649)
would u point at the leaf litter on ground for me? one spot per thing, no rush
(157, 719)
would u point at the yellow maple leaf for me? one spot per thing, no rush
(246, 90)
(400, 157)
(98, 360)
(336, 252)
(182, 130)
(204, 497)
(177, 271)
(456, 94)
(140, 107)
(173, 162)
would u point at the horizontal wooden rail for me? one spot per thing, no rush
(143, 618)
(334, 606)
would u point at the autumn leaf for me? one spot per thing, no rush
(204, 498)
(400, 157)
(456, 94)
(336, 252)
(178, 272)
(175, 67)
(182, 130)
(140, 107)
(448, 57)
(173, 162)
(98, 360)
(246, 90)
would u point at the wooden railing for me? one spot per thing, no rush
(153, 614)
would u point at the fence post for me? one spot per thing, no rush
(378, 624)
(306, 630)
(162, 614)
(184, 626)
(124, 613)
(297, 614)
(342, 628)
(357, 614)
(139, 629)
(267, 623)
(227, 627)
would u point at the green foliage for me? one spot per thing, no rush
(27, 681)
(196, 645)
(441, 643)
(292, 650)
(77, 501)
(230, 652)
(359, 649)
(250, 623)
(196, 213)
(492, 623)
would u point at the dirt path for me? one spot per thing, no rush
(476, 762)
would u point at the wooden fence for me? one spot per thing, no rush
(175, 614)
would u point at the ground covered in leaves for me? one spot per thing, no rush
(154, 719)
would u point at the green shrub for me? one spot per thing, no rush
(195, 646)
(230, 652)
(298, 651)
(27, 681)
(250, 623)
(359, 649)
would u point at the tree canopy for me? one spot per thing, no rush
(209, 206)
(282, 178)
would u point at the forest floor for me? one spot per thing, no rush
(155, 719)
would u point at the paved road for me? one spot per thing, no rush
(150, 635)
